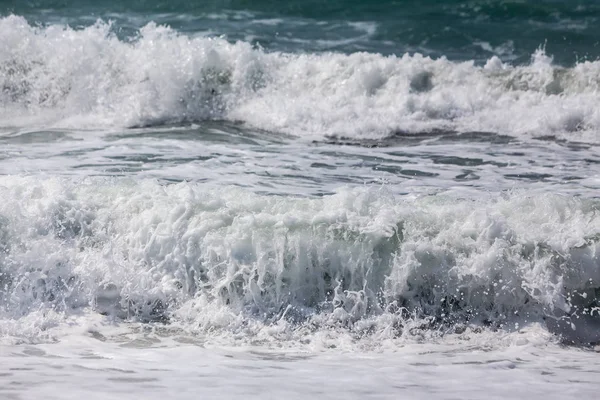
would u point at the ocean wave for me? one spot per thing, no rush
(88, 78)
(360, 261)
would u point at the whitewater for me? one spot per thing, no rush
(61, 77)
(184, 214)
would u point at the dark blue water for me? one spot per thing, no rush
(459, 30)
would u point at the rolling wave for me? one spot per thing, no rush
(359, 261)
(88, 78)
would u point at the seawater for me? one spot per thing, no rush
(300, 198)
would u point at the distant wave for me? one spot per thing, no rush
(60, 77)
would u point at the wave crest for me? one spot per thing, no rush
(88, 78)
(359, 260)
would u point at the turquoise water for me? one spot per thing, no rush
(459, 30)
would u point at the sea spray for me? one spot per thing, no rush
(88, 78)
(360, 260)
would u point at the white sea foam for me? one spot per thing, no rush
(359, 263)
(91, 369)
(88, 78)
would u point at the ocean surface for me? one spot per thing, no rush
(264, 199)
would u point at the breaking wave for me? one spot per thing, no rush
(88, 78)
(360, 261)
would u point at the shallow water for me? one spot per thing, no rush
(97, 371)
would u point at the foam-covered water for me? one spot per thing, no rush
(126, 371)
(336, 199)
